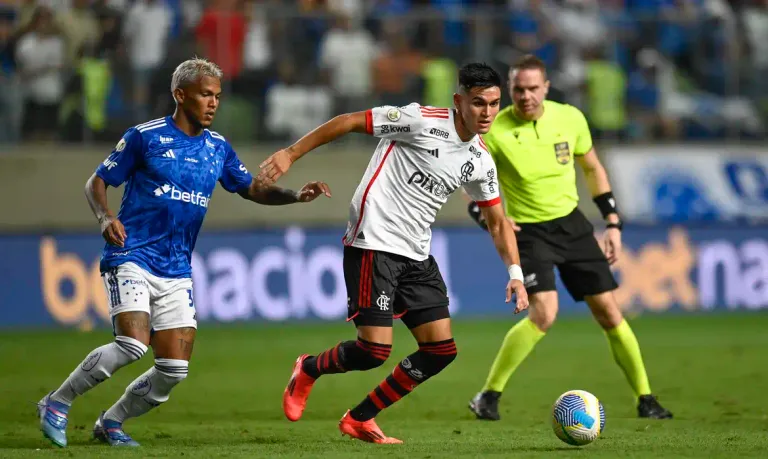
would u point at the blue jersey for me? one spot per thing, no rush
(169, 179)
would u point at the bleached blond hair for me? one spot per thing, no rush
(190, 71)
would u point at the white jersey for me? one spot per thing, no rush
(418, 163)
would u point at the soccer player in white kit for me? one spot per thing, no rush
(424, 155)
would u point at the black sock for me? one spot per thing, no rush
(429, 360)
(357, 355)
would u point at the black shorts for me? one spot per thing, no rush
(383, 286)
(568, 243)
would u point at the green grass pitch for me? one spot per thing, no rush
(710, 370)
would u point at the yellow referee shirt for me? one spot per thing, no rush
(535, 161)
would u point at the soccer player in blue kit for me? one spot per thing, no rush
(170, 167)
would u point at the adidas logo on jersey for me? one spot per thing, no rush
(434, 153)
(164, 139)
(169, 154)
(195, 198)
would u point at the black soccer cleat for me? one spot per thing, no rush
(649, 407)
(485, 405)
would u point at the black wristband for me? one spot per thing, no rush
(474, 212)
(606, 203)
(619, 225)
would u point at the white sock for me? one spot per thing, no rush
(100, 364)
(149, 390)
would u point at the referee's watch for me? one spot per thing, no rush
(619, 225)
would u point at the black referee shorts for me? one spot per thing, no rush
(383, 286)
(568, 243)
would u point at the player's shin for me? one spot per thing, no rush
(357, 355)
(98, 366)
(518, 343)
(626, 352)
(149, 390)
(429, 360)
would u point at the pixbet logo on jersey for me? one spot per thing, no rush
(195, 198)
(430, 184)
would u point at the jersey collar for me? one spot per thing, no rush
(452, 119)
(543, 114)
(172, 124)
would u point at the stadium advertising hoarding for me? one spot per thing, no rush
(690, 183)
(296, 274)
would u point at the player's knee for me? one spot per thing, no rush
(132, 348)
(605, 310)
(437, 356)
(609, 319)
(370, 355)
(544, 319)
(171, 371)
(543, 310)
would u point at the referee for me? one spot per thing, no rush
(534, 144)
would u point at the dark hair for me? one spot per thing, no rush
(478, 75)
(530, 62)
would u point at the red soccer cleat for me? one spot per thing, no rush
(297, 392)
(365, 431)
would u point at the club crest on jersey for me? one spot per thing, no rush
(393, 114)
(120, 145)
(562, 152)
(466, 171)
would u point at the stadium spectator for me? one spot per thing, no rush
(41, 56)
(346, 55)
(146, 29)
(10, 100)
(78, 25)
(397, 69)
(295, 107)
(755, 20)
(606, 96)
(221, 35)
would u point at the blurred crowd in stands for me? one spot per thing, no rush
(642, 70)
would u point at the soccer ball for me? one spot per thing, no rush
(578, 417)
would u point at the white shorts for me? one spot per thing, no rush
(167, 301)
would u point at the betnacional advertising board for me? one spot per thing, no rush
(296, 274)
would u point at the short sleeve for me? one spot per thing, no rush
(483, 187)
(396, 123)
(583, 136)
(234, 175)
(124, 159)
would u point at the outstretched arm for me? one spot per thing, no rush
(506, 244)
(279, 163)
(276, 196)
(334, 129)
